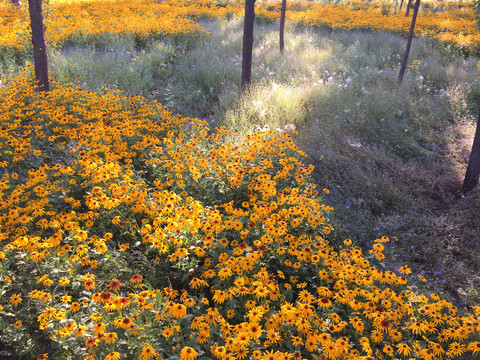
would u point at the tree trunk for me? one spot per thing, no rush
(409, 4)
(16, 2)
(39, 44)
(477, 13)
(248, 43)
(473, 168)
(409, 42)
(400, 7)
(282, 24)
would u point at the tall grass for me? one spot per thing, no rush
(382, 149)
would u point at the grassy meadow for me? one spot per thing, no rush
(392, 156)
(151, 210)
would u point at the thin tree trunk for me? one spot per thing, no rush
(400, 7)
(248, 43)
(473, 168)
(409, 4)
(282, 25)
(409, 42)
(39, 44)
(477, 13)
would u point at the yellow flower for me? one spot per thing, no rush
(404, 270)
(63, 281)
(147, 352)
(330, 349)
(417, 327)
(91, 342)
(110, 338)
(15, 299)
(455, 349)
(74, 307)
(178, 310)
(189, 302)
(124, 323)
(188, 353)
(124, 247)
(114, 285)
(254, 330)
(404, 349)
(17, 324)
(324, 302)
(422, 278)
(261, 292)
(99, 328)
(474, 347)
(65, 299)
(113, 356)
(136, 279)
(387, 349)
(89, 284)
(81, 331)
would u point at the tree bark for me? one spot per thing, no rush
(409, 42)
(477, 13)
(473, 168)
(248, 43)
(409, 4)
(400, 7)
(282, 25)
(39, 44)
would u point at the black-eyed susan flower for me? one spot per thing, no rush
(74, 307)
(147, 352)
(188, 353)
(404, 349)
(110, 338)
(330, 350)
(113, 356)
(15, 299)
(324, 302)
(254, 330)
(455, 349)
(136, 279)
(17, 324)
(89, 284)
(114, 285)
(384, 325)
(63, 281)
(91, 342)
(178, 310)
(474, 347)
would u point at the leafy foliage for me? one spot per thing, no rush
(126, 230)
(129, 232)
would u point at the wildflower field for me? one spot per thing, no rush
(66, 22)
(130, 232)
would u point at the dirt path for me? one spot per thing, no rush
(457, 222)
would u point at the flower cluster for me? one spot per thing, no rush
(126, 232)
(87, 22)
(453, 22)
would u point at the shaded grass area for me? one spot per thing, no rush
(392, 156)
